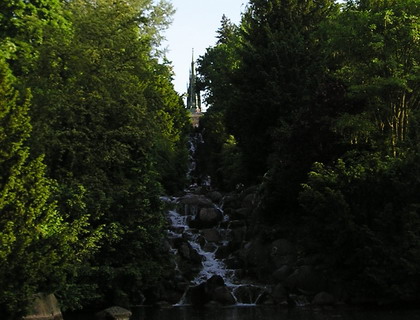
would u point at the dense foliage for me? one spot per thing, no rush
(318, 103)
(80, 208)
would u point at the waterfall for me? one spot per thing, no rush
(200, 235)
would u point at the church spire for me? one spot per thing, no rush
(193, 95)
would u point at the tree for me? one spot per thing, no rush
(370, 244)
(376, 46)
(279, 71)
(23, 23)
(105, 115)
(216, 69)
(39, 245)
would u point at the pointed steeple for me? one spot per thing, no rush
(193, 95)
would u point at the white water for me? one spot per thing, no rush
(210, 265)
(206, 249)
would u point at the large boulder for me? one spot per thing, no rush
(306, 280)
(196, 200)
(223, 296)
(114, 313)
(280, 295)
(248, 201)
(282, 273)
(323, 299)
(192, 203)
(282, 252)
(214, 289)
(44, 307)
(211, 235)
(241, 213)
(255, 253)
(215, 196)
(198, 295)
(207, 218)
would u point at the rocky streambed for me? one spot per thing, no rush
(222, 256)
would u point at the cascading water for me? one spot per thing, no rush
(200, 232)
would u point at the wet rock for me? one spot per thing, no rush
(265, 299)
(215, 196)
(283, 252)
(223, 295)
(323, 299)
(197, 200)
(184, 250)
(256, 253)
(280, 295)
(238, 235)
(231, 201)
(241, 213)
(207, 218)
(237, 224)
(192, 203)
(195, 257)
(298, 300)
(222, 252)
(214, 282)
(282, 273)
(306, 280)
(209, 247)
(114, 313)
(248, 201)
(198, 295)
(248, 294)
(214, 289)
(234, 263)
(211, 235)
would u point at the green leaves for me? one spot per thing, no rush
(380, 62)
(36, 244)
(104, 115)
(358, 214)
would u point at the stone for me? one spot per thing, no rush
(196, 200)
(231, 201)
(215, 196)
(323, 299)
(223, 252)
(248, 201)
(238, 235)
(223, 295)
(198, 295)
(214, 282)
(256, 254)
(234, 263)
(282, 273)
(248, 294)
(241, 213)
(184, 250)
(280, 295)
(283, 252)
(306, 280)
(211, 235)
(207, 218)
(114, 313)
(44, 307)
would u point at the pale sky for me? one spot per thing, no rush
(194, 26)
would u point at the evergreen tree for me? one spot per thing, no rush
(216, 69)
